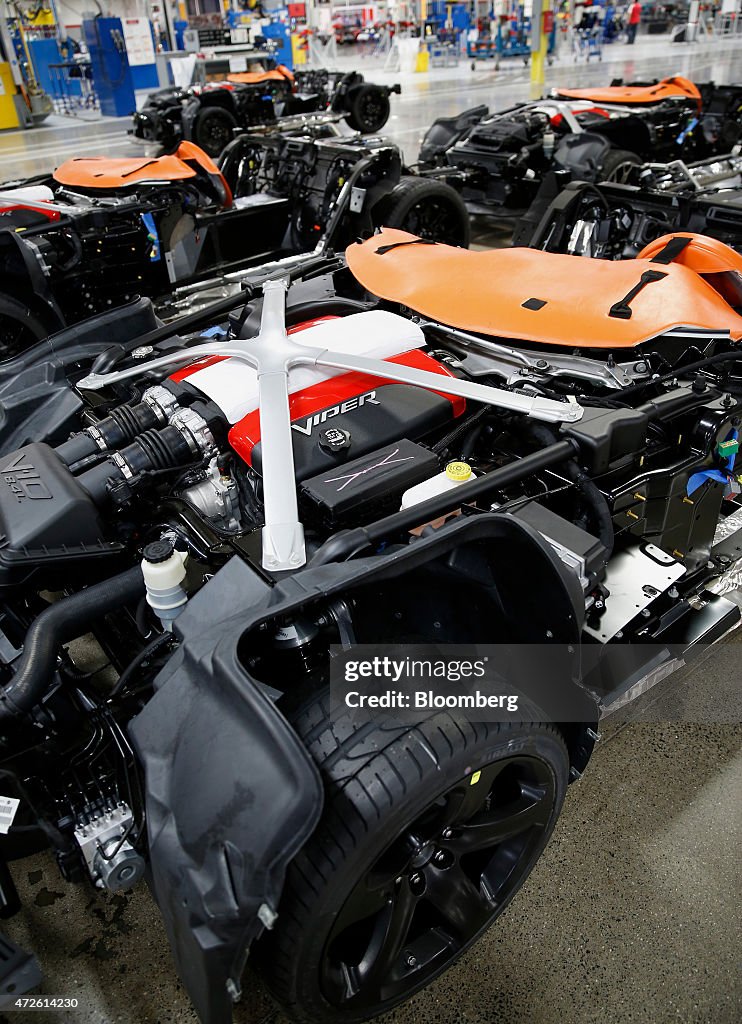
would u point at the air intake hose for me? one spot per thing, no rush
(119, 428)
(61, 622)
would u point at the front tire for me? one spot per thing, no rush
(428, 208)
(369, 109)
(619, 166)
(213, 129)
(414, 858)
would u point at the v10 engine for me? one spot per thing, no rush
(202, 426)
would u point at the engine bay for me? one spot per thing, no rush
(222, 500)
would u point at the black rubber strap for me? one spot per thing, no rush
(622, 310)
(398, 245)
(670, 251)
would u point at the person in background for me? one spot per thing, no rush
(635, 16)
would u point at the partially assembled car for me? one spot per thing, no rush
(616, 221)
(97, 232)
(498, 161)
(209, 114)
(404, 448)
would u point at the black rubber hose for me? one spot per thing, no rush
(587, 488)
(77, 448)
(596, 500)
(58, 624)
(462, 430)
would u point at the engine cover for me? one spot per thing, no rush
(336, 415)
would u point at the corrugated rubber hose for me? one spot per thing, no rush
(587, 488)
(58, 624)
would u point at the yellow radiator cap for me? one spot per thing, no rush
(458, 472)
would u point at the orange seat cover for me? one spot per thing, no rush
(720, 265)
(120, 172)
(279, 74)
(703, 254)
(668, 88)
(567, 298)
(102, 172)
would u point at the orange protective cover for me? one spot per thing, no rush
(703, 254)
(484, 292)
(105, 172)
(279, 74)
(666, 89)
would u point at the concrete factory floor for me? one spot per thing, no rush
(632, 914)
(630, 917)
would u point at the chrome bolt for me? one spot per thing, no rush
(411, 961)
(439, 858)
(416, 879)
(447, 833)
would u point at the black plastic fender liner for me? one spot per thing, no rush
(130, 320)
(231, 793)
(231, 796)
(581, 154)
(13, 244)
(190, 112)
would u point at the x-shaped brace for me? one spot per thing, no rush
(273, 355)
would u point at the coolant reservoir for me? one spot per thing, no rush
(455, 474)
(163, 569)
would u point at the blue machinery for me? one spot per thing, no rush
(513, 39)
(111, 72)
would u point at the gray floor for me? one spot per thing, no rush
(632, 915)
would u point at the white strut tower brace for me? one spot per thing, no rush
(273, 355)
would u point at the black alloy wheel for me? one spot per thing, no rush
(213, 130)
(428, 831)
(620, 167)
(427, 208)
(369, 109)
(439, 885)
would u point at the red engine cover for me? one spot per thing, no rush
(330, 395)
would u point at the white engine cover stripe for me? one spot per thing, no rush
(233, 385)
